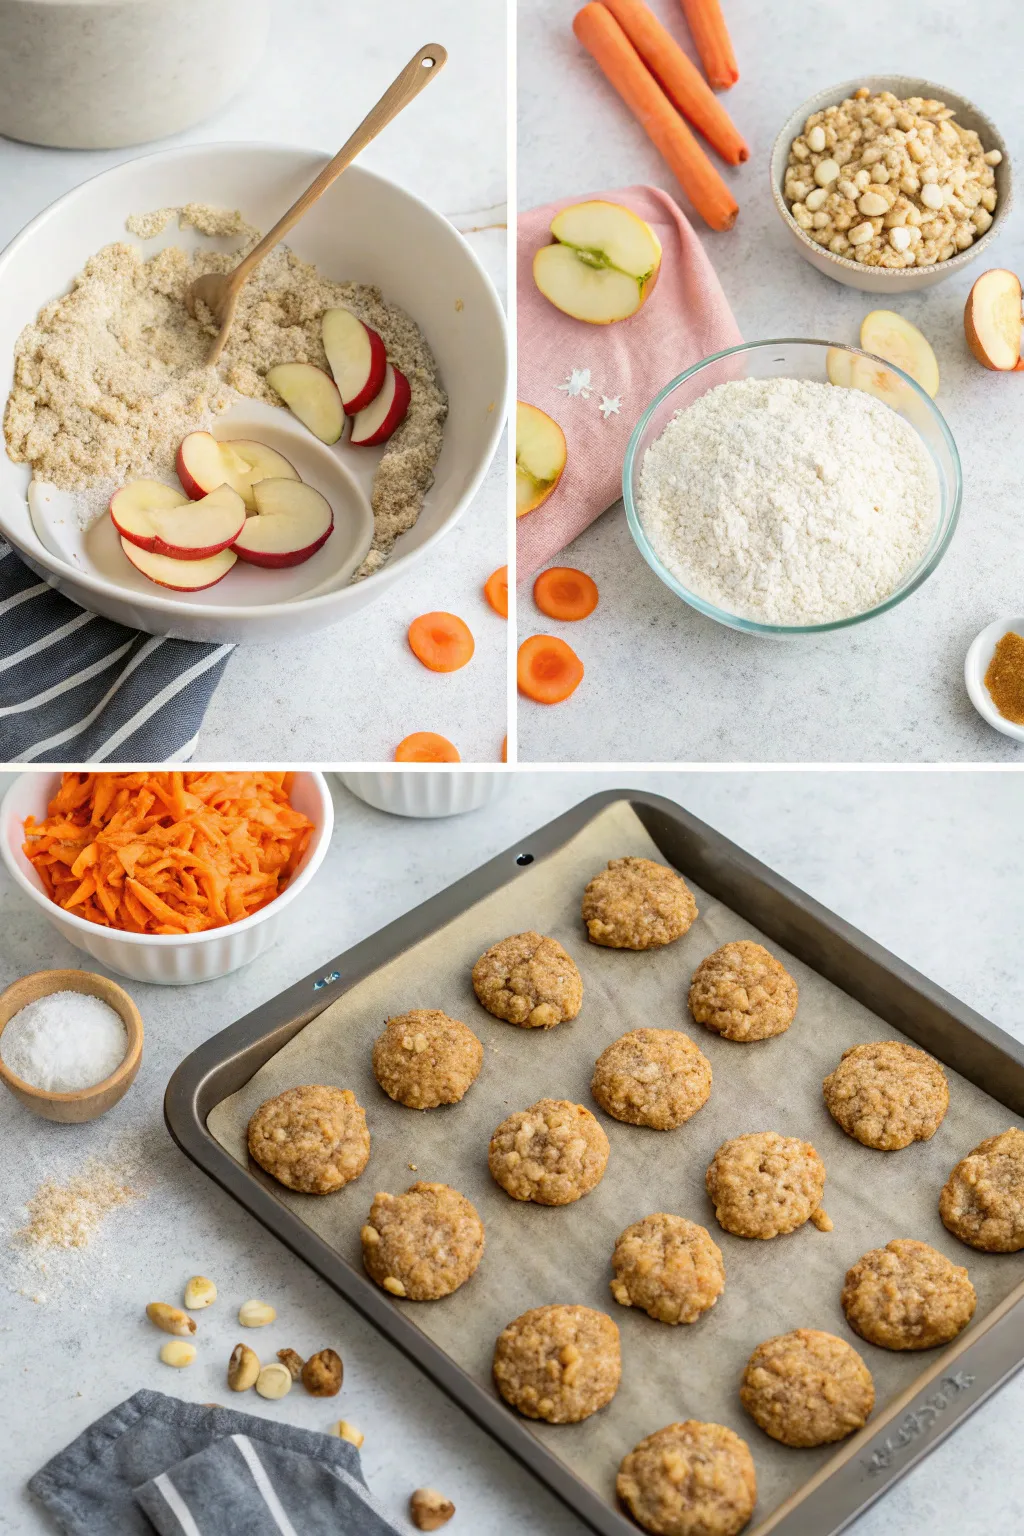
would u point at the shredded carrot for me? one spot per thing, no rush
(426, 747)
(563, 593)
(548, 670)
(712, 41)
(496, 590)
(167, 853)
(442, 641)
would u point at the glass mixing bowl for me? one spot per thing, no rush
(801, 360)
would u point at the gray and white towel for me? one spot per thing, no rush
(185, 1469)
(77, 688)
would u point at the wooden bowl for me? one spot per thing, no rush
(84, 1103)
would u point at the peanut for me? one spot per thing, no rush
(256, 1314)
(170, 1319)
(346, 1431)
(177, 1353)
(199, 1293)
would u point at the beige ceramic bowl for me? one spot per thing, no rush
(84, 1103)
(882, 279)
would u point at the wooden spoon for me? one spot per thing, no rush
(219, 290)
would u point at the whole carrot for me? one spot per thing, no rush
(679, 78)
(603, 38)
(712, 41)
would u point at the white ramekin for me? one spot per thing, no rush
(437, 792)
(161, 958)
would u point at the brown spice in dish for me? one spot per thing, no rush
(1005, 677)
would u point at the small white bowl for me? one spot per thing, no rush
(435, 792)
(883, 279)
(976, 665)
(163, 959)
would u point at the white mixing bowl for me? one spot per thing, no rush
(365, 229)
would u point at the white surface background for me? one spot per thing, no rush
(928, 864)
(662, 683)
(351, 693)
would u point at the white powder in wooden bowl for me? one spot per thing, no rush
(111, 376)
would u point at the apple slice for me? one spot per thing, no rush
(179, 575)
(887, 335)
(292, 521)
(204, 462)
(382, 416)
(992, 320)
(192, 530)
(356, 357)
(312, 396)
(540, 457)
(603, 263)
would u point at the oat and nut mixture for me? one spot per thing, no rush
(654, 1077)
(891, 183)
(807, 1388)
(689, 1479)
(907, 1295)
(423, 1244)
(112, 375)
(313, 1139)
(887, 1094)
(424, 1058)
(669, 1267)
(528, 980)
(558, 1363)
(637, 904)
(982, 1201)
(763, 1185)
(552, 1153)
(743, 993)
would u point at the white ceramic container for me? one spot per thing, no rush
(364, 228)
(100, 74)
(976, 664)
(162, 958)
(430, 792)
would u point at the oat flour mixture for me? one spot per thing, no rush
(110, 377)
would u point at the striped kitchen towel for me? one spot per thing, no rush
(77, 688)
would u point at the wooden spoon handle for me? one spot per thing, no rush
(415, 77)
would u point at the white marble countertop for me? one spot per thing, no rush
(316, 80)
(888, 690)
(929, 864)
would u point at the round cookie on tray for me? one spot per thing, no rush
(669, 1267)
(423, 1244)
(653, 1077)
(552, 1153)
(907, 1295)
(312, 1139)
(743, 993)
(559, 1363)
(763, 1185)
(528, 980)
(689, 1479)
(887, 1094)
(982, 1201)
(637, 904)
(807, 1388)
(424, 1058)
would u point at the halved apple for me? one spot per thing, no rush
(191, 530)
(292, 521)
(382, 416)
(889, 336)
(992, 320)
(204, 462)
(540, 457)
(312, 396)
(603, 263)
(356, 357)
(179, 575)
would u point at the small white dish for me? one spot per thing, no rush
(979, 655)
(427, 793)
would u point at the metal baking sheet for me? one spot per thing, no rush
(669, 1373)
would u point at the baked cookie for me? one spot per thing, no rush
(313, 1139)
(887, 1094)
(528, 980)
(424, 1058)
(907, 1295)
(637, 904)
(982, 1201)
(689, 1479)
(654, 1077)
(558, 1363)
(807, 1388)
(764, 1184)
(743, 993)
(424, 1244)
(670, 1267)
(551, 1153)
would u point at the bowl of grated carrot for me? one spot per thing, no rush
(167, 877)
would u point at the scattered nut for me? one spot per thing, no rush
(394, 1286)
(429, 1510)
(274, 1381)
(170, 1319)
(256, 1314)
(199, 1293)
(294, 1362)
(368, 1236)
(322, 1374)
(346, 1431)
(243, 1368)
(177, 1353)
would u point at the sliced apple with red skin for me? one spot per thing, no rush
(204, 462)
(192, 530)
(179, 575)
(992, 321)
(385, 414)
(312, 396)
(292, 521)
(356, 357)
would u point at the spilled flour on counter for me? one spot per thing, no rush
(111, 376)
(787, 501)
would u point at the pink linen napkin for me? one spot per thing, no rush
(597, 380)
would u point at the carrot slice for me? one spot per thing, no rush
(496, 590)
(712, 41)
(564, 593)
(441, 641)
(548, 670)
(426, 747)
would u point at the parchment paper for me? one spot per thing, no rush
(537, 1255)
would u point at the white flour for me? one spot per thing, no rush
(787, 501)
